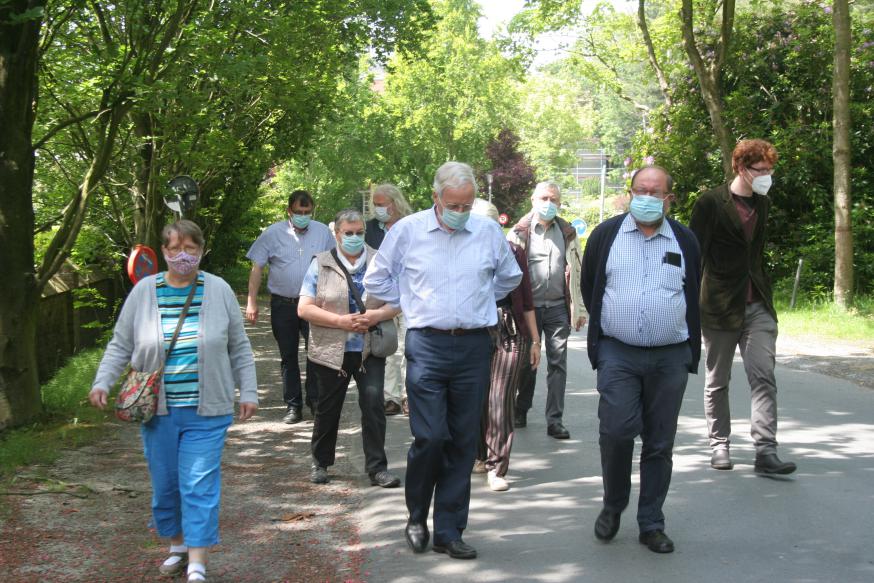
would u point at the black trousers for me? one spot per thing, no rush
(332, 385)
(287, 330)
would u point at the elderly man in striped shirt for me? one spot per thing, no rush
(640, 282)
(446, 268)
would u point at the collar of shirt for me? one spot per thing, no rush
(629, 224)
(359, 261)
(432, 223)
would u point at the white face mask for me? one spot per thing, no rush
(761, 184)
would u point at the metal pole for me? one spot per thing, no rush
(795, 286)
(489, 179)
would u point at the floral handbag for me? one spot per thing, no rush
(137, 400)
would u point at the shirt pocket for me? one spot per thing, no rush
(671, 278)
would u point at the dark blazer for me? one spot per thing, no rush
(594, 282)
(730, 262)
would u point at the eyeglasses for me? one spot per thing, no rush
(353, 233)
(459, 208)
(761, 171)
(661, 195)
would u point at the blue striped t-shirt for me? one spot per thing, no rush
(180, 370)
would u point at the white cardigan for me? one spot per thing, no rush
(224, 355)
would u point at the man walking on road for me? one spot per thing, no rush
(553, 251)
(737, 307)
(288, 247)
(640, 283)
(446, 269)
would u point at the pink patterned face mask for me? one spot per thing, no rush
(183, 263)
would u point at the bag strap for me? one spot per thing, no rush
(353, 289)
(181, 319)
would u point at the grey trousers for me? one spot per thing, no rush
(555, 327)
(758, 344)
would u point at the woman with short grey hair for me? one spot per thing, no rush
(339, 349)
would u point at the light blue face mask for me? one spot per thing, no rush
(547, 210)
(301, 221)
(382, 213)
(647, 209)
(454, 219)
(352, 244)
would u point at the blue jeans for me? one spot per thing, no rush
(184, 454)
(447, 377)
(641, 393)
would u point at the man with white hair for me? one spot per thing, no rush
(446, 269)
(554, 261)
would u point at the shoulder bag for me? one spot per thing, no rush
(137, 400)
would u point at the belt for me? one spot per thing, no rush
(455, 331)
(280, 298)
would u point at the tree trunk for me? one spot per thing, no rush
(19, 384)
(710, 78)
(842, 157)
(650, 51)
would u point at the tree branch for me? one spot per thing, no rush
(650, 51)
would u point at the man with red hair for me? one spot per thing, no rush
(737, 308)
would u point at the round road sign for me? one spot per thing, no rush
(503, 218)
(142, 262)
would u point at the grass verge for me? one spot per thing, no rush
(824, 320)
(69, 420)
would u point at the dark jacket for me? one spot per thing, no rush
(594, 282)
(730, 262)
(373, 233)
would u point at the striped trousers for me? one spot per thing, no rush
(508, 367)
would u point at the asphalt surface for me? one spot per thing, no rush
(727, 525)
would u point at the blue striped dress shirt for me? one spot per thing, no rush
(441, 279)
(644, 304)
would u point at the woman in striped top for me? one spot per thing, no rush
(212, 356)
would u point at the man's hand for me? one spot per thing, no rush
(534, 355)
(252, 311)
(581, 321)
(247, 410)
(98, 398)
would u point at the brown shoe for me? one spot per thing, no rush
(392, 408)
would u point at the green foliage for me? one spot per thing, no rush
(69, 420)
(777, 86)
(820, 318)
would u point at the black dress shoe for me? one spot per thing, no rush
(457, 549)
(292, 416)
(657, 541)
(557, 431)
(417, 536)
(520, 419)
(769, 463)
(318, 475)
(607, 525)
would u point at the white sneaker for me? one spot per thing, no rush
(497, 483)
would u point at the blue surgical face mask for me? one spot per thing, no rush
(454, 219)
(352, 244)
(547, 209)
(301, 221)
(382, 213)
(647, 209)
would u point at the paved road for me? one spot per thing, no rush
(728, 526)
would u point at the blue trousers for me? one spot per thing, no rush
(184, 454)
(447, 377)
(641, 391)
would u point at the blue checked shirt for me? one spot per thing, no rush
(441, 279)
(643, 301)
